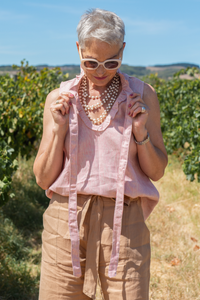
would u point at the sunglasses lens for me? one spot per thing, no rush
(112, 64)
(90, 64)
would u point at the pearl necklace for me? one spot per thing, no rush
(108, 97)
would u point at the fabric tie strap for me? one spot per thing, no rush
(117, 223)
(73, 225)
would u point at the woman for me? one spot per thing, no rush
(101, 143)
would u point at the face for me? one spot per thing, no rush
(101, 51)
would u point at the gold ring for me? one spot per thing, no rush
(57, 102)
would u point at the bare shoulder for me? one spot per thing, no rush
(52, 96)
(48, 121)
(48, 118)
(149, 89)
(153, 122)
(150, 96)
(151, 100)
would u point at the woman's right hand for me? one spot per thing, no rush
(60, 109)
(49, 160)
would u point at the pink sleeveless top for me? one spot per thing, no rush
(102, 160)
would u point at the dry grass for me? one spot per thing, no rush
(175, 238)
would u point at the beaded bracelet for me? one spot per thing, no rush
(144, 141)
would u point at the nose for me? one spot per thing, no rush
(100, 70)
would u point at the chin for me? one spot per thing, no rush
(101, 81)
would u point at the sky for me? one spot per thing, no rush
(44, 31)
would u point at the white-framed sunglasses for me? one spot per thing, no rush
(93, 64)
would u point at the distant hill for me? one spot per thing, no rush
(163, 71)
(185, 65)
(134, 71)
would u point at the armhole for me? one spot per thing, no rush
(142, 89)
(136, 85)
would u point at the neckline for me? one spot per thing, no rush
(121, 97)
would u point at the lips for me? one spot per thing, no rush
(100, 78)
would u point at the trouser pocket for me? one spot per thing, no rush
(50, 232)
(138, 252)
(56, 243)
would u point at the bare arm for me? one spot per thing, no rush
(152, 155)
(49, 160)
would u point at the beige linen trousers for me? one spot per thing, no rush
(95, 219)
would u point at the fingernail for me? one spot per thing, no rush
(71, 95)
(131, 94)
(129, 113)
(129, 106)
(70, 103)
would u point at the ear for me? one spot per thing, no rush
(122, 50)
(77, 45)
(79, 50)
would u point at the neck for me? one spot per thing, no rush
(98, 103)
(94, 87)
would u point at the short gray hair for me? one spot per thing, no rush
(101, 24)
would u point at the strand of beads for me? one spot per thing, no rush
(108, 97)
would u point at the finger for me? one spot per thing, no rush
(65, 102)
(66, 105)
(133, 95)
(59, 107)
(67, 99)
(139, 110)
(135, 106)
(134, 100)
(70, 95)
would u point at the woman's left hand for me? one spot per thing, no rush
(139, 112)
(152, 156)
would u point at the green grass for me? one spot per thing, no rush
(20, 237)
